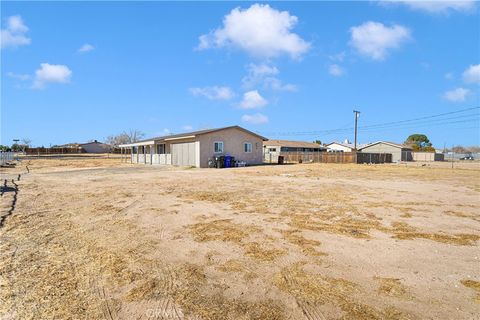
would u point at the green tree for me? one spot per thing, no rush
(16, 147)
(317, 141)
(419, 142)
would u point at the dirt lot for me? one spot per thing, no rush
(96, 238)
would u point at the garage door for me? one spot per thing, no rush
(183, 154)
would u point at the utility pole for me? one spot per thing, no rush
(357, 114)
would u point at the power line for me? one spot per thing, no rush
(384, 125)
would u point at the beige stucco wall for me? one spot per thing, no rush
(397, 153)
(233, 140)
(427, 156)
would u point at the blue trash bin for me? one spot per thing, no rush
(228, 161)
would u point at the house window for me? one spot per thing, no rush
(161, 148)
(247, 147)
(218, 146)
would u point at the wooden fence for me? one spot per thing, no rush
(41, 151)
(335, 157)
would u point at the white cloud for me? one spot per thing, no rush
(338, 56)
(187, 127)
(449, 76)
(374, 39)
(456, 95)
(336, 70)
(51, 73)
(86, 48)
(435, 6)
(256, 118)
(260, 31)
(213, 93)
(14, 34)
(265, 75)
(472, 74)
(21, 77)
(277, 85)
(257, 73)
(252, 99)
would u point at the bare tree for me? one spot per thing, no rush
(26, 142)
(135, 135)
(125, 137)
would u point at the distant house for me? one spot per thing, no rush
(197, 147)
(343, 146)
(273, 148)
(72, 145)
(89, 147)
(289, 146)
(95, 147)
(399, 152)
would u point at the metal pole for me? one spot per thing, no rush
(453, 155)
(357, 114)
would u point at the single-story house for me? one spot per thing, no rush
(291, 146)
(89, 147)
(95, 147)
(196, 148)
(399, 152)
(342, 146)
(273, 148)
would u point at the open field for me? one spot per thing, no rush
(96, 238)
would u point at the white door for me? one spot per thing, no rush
(183, 154)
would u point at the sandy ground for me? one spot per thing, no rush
(96, 238)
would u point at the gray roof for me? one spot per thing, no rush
(293, 144)
(393, 144)
(200, 132)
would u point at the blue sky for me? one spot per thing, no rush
(82, 71)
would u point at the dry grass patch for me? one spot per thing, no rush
(475, 285)
(261, 252)
(348, 226)
(232, 265)
(210, 196)
(460, 214)
(306, 245)
(392, 287)
(195, 296)
(235, 265)
(403, 231)
(222, 230)
(314, 290)
(190, 292)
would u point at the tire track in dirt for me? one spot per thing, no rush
(310, 312)
(107, 310)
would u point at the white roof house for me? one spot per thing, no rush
(343, 146)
